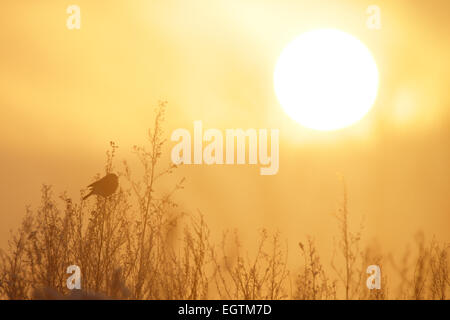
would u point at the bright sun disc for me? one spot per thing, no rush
(326, 79)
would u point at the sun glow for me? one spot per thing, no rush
(326, 79)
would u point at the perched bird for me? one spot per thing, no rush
(104, 187)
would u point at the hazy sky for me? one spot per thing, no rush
(64, 94)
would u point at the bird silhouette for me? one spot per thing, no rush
(104, 187)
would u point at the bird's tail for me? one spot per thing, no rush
(88, 195)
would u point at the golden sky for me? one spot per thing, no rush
(64, 94)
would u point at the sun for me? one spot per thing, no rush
(326, 79)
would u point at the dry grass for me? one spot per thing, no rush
(262, 277)
(137, 244)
